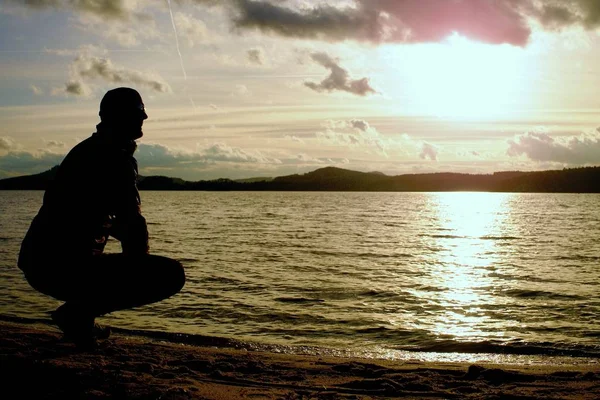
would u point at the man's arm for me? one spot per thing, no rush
(129, 226)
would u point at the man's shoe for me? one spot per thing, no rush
(101, 332)
(80, 330)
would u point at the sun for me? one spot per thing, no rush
(463, 79)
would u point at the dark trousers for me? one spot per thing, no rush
(109, 282)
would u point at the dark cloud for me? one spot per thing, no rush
(407, 21)
(579, 150)
(103, 8)
(562, 13)
(90, 67)
(77, 88)
(322, 22)
(338, 79)
(360, 124)
(256, 56)
(22, 162)
(415, 21)
(38, 3)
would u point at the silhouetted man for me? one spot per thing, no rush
(94, 195)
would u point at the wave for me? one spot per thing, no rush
(491, 237)
(485, 237)
(364, 255)
(525, 278)
(540, 294)
(516, 348)
(443, 236)
(578, 257)
(298, 300)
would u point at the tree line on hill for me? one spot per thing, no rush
(574, 180)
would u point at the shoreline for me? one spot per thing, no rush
(526, 355)
(128, 366)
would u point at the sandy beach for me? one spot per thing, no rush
(38, 364)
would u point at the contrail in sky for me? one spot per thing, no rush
(177, 40)
(179, 51)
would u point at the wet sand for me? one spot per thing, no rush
(37, 364)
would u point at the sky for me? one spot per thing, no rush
(261, 88)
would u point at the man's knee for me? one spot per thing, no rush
(174, 275)
(179, 276)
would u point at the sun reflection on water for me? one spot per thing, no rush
(469, 225)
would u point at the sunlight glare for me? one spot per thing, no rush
(463, 79)
(470, 223)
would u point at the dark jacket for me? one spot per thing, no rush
(93, 195)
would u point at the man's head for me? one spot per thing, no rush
(122, 111)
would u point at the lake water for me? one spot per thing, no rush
(445, 276)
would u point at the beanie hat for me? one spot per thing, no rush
(121, 102)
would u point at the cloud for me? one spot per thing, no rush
(104, 8)
(306, 159)
(428, 151)
(120, 20)
(6, 143)
(374, 21)
(470, 154)
(359, 134)
(322, 22)
(360, 124)
(75, 88)
(414, 21)
(223, 152)
(256, 56)
(556, 14)
(294, 138)
(583, 149)
(22, 162)
(55, 144)
(126, 33)
(355, 133)
(84, 49)
(110, 9)
(88, 67)
(338, 79)
(158, 155)
(406, 21)
(241, 91)
(192, 29)
(36, 90)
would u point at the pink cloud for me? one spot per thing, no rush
(415, 21)
(578, 150)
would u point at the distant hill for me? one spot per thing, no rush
(29, 182)
(575, 180)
